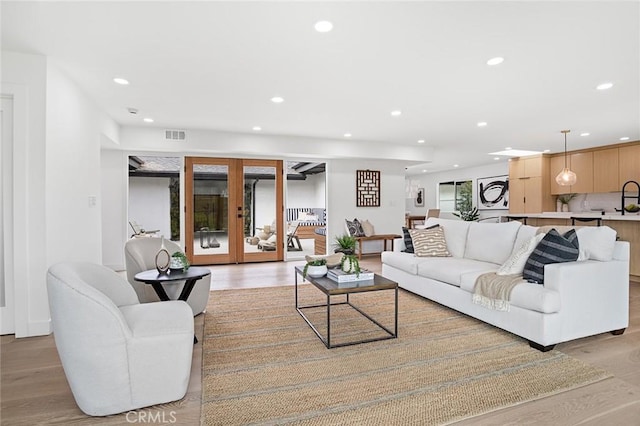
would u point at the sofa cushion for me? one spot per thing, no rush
(429, 242)
(553, 248)
(598, 242)
(525, 233)
(515, 263)
(450, 270)
(491, 242)
(406, 262)
(526, 295)
(455, 233)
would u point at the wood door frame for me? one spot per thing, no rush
(235, 206)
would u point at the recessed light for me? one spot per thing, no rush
(495, 61)
(507, 148)
(515, 152)
(421, 141)
(604, 86)
(625, 138)
(585, 134)
(257, 128)
(482, 123)
(456, 165)
(148, 120)
(120, 80)
(424, 170)
(496, 158)
(347, 135)
(277, 100)
(323, 26)
(396, 113)
(546, 150)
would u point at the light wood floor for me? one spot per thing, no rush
(34, 390)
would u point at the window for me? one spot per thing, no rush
(454, 194)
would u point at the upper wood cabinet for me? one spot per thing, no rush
(582, 166)
(606, 170)
(629, 164)
(529, 185)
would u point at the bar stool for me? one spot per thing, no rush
(585, 219)
(522, 218)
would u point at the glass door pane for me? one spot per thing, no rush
(262, 238)
(210, 224)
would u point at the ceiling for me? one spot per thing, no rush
(216, 65)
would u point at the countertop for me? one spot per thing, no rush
(596, 214)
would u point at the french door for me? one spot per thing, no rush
(234, 210)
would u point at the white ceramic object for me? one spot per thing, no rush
(317, 271)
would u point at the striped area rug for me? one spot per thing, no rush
(262, 364)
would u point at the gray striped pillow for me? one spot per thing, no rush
(554, 248)
(429, 242)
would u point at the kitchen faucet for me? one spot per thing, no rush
(629, 196)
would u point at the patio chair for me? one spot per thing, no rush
(139, 231)
(293, 242)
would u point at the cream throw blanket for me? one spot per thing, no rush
(494, 291)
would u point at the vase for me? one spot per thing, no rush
(565, 208)
(317, 271)
(349, 265)
(163, 258)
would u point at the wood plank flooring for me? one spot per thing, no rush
(34, 390)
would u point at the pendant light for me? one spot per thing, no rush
(566, 177)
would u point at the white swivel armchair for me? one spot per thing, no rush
(117, 354)
(140, 255)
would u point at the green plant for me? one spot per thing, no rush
(345, 242)
(565, 198)
(315, 262)
(183, 259)
(466, 211)
(355, 263)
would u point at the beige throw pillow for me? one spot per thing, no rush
(367, 227)
(429, 242)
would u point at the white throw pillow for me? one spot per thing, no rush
(515, 263)
(598, 242)
(367, 227)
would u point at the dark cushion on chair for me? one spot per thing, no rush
(554, 248)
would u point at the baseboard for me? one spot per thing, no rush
(37, 328)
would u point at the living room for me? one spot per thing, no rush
(214, 73)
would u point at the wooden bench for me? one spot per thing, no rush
(381, 237)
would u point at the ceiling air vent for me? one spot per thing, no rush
(175, 135)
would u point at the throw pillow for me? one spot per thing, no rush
(553, 248)
(515, 263)
(355, 228)
(429, 242)
(367, 227)
(408, 242)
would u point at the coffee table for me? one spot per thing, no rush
(331, 288)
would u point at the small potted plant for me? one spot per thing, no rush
(179, 261)
(315, 268)
(350, 264)
(344, 244)
(564, 201)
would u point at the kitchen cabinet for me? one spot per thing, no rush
(529, 185)
(581, 164)
(606, 170)
(629, 164)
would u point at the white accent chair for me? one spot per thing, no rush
(140, 255)
(117, 354)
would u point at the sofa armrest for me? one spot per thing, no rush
(398, 245)
(592, 293)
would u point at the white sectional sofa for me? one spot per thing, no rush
(577, 299)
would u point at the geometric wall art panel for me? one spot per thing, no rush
(367, 188)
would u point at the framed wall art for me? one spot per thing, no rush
(419, 200)
(493, 193)
(367, 188)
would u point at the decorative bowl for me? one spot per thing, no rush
(632, 208)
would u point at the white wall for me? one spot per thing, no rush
(150, 204)
(115, 229)
(57, 169)
(306, 193)
(430, 183)
(341, 200)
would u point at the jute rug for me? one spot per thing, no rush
(262, 364)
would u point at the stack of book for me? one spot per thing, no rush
(339, 276)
